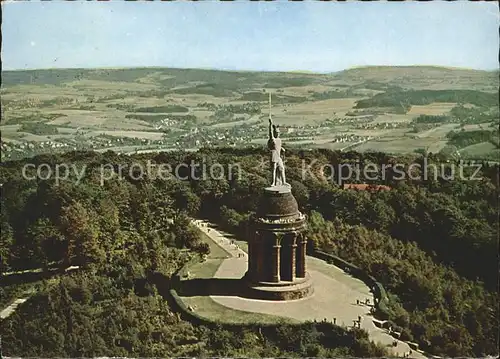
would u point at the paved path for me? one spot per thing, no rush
(233, 249)
(335, 295)
(37, 270)
(13, 306)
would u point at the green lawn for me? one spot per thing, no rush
(208, 308)
(216, 251)
(480, 150)
(206, 269)
(243, 245)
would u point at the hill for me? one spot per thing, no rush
(423, 77)
(431, 241)
(131, 109)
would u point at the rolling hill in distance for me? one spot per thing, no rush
(394, 109)
(131, 267)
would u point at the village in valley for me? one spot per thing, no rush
(192, 179)
(133, 110)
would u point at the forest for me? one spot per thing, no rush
(431, 242)
(38, 128)
(399, 98)
(467, 138)
(471, 115)
(163, 109)
(425, 119)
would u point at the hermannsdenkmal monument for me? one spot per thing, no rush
(277, 249)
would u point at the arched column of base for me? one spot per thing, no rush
(275, 260)
(293, 250)
(288, 253)
(251, 259)
(259, 257)
(301, 256)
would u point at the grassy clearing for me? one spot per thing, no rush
(308, 113)
(110, 85)
(305, 90)
(29, 137)
(396, 145)
(112, 119)
(334, 272)
(208, 308)
(479, 150)
(338, 105)
(438, 132)
(242, 244)
(431, 109)
(205, 269)
(437, 146)
(132, 134)
(9, 129)
(216, 251)
(475, 127)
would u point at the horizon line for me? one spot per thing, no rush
(222, 69)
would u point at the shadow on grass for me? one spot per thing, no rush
(30, 277)
(222, 231)
(211, 286)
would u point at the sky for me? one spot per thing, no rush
(242, 35)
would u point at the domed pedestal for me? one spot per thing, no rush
(277, 251)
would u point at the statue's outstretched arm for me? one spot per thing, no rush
(271, 134)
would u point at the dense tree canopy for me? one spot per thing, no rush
(432, 242)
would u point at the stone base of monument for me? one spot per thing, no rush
(276, 265)
(283, 290)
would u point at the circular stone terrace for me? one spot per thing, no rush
(334, 299)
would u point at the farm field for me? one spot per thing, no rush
(190, 108)
(438, 132)
(480, 150)
(431, 109)
(395, 145)
(394, 118)
(132, 134)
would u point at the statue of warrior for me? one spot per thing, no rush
(274, 145)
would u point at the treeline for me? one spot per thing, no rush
(159, 94)
(467, 138)
(163, 109)
(34, 117)
(449, 225)
(128, 236)
(288, 81)
(429, 303)
(147, 118)
(38, 128)
(425, 97)
(249, 107)
(210, 89)
(425, 119)
(326, 95)
(122, 312)
(43, 223)
(122, 106)
(277, 99)
(472, 115)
